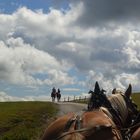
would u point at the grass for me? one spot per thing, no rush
(28, 120)
(24, 120)
(136, 99)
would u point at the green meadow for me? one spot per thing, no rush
(25, 120)
(136, 99)
(28, 120)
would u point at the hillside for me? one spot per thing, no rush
(24, 120)
(28, 120)
(136, 98)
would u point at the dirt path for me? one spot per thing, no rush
(71, 107)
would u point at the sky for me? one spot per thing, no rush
(67, 44)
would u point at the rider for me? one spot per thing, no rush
(58, 91)
(53, 90)
(53, 93)
(58, 94)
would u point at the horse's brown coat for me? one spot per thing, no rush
(55, 129)
(136, 135)
(90, 119)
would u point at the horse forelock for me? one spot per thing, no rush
(118, 102)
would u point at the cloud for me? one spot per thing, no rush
(99, 12)
(4, 97)
(71, 89)
(120, 81)
(37, 44)
(20, 62)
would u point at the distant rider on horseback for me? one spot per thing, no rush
(53, 94)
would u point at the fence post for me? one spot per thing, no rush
(85, 98)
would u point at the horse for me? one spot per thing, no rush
(119, 105)
(131, 131)
(88, 126)
(95, 124)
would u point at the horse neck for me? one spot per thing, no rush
(119, 104)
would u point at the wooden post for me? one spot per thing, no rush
(74, 97)
(85, 98)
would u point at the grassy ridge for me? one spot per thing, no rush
(28, 120)
(24, 120)
(136, 99)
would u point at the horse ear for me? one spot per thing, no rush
(128, 92)
(97, 88)
(114, 91)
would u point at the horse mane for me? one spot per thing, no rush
(119, 105)
(106, 111)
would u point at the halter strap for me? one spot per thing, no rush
(76, 119)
